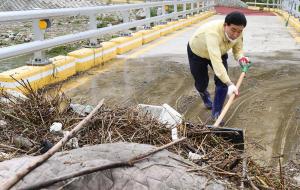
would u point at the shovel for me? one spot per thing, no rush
(235, 135)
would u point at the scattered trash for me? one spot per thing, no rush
(3, 123)
(73, 142)
(56, 128)
(113, 124)
(193, 156)
(22, 142)
(82, 110)
(4, 156)
(45, 146)
(297, 179)
(165, 114)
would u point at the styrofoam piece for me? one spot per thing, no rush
(82, 110)
(165, 114)
(56, 127)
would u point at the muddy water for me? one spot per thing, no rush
(268, 107)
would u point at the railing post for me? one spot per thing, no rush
(38, 56)
(175, 8)
(93, 26)
(163, 10)
(125, 16)
(198, 7)
(298, 9)
(210, 4)
(192, 8)
(148, 14)
(184, 9)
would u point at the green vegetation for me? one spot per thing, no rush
(104, 21)
(114, 36)
(3, 43)
(180, 8)
(153, 11)
(259, 1)
(102, 25)
(188, 6)
(76, 22)
(170, 9)
(62, 50)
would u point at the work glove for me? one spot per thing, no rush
(232, 89)
(244, 60)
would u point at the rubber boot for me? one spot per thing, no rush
(206, 99)
(220, 96)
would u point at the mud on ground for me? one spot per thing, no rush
(268, 107)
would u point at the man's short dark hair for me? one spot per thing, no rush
(236, 18)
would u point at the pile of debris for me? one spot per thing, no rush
(31, 124)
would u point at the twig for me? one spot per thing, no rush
(244, 172)
(251, 183)
(183, 161)
(281, 174)
(143, 156)
(68, 183)
(223, 171)
(10, 147)
(39, 160)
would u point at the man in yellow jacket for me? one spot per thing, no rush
(209, 46)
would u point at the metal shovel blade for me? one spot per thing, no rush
(234, 135)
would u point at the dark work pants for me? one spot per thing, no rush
(199, 70)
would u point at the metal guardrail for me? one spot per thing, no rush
(264, 4)
(39, 43)
(84, 11)
(231, 3)
(291, 6)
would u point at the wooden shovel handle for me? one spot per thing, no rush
(229, 102)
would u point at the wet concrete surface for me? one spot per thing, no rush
(268, 107)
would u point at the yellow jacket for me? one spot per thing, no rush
(210, 42)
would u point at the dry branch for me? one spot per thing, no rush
(40, 159)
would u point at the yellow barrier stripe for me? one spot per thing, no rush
(130, 42)
(84, 63)
(74, 84)
(291, 30)
(97, 55)
(37, 76)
